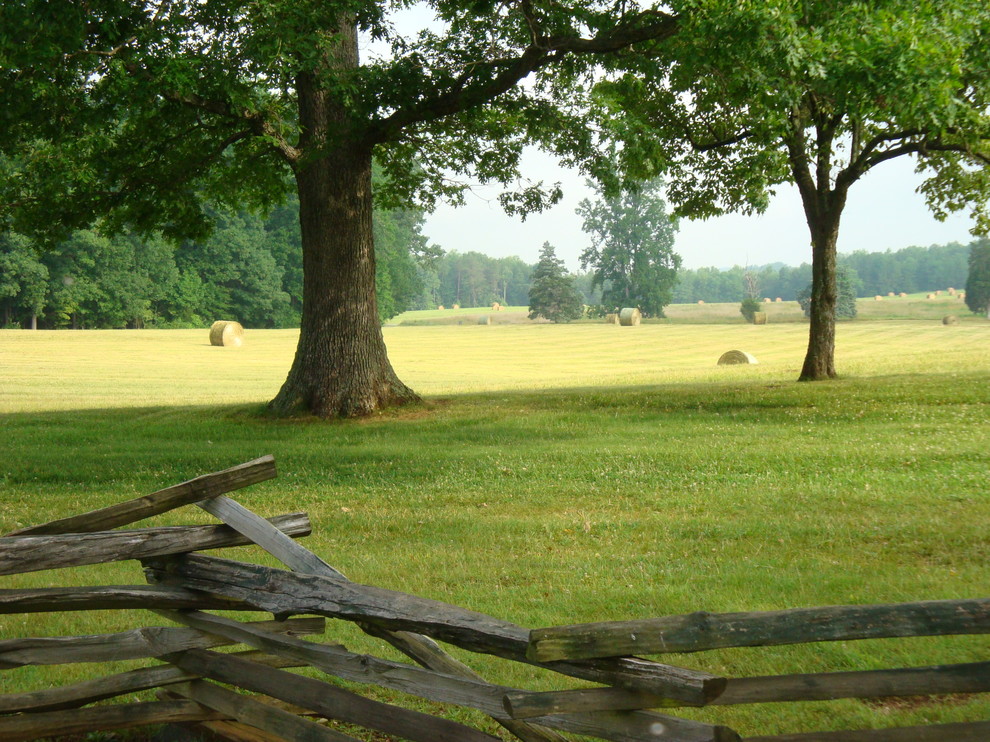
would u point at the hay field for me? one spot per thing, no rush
(65, 370)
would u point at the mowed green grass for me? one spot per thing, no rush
(556, 474)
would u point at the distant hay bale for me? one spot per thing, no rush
(630, 317)
(701, 301)
(736, 357)
(951, 291)
(878, 298)
(938, 293)
(227, 334)
(930, 296)
(962, 295)
(902, 295)
(766, 300)
(440, 306)
(950, 319)
(759, 318)
(890, 293)
(484, 320)
(612, 319)
(778, 300)
(456, 306)
(496, 306)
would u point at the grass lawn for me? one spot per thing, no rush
(557, 474)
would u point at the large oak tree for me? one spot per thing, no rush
(142, 112)
(815, 93)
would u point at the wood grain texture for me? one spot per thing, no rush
(696, 632)
(111, 597)
(283, 724)
(300, 559)
(122, 716)
(124, 513)
(112, 686)
(326, 699)
(424, 683)
(287, 593)
(20, 554)
(973, 677)
(151, 641)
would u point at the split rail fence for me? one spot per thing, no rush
(195, 684)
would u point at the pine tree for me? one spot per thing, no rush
(553, 294)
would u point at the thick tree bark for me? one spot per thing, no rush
(341, 368)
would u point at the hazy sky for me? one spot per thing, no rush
(883, 212)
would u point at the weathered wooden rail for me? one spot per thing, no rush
(192, 683)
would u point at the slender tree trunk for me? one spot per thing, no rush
(819, 361)
(341, 368)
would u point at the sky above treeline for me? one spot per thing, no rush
(884, 212)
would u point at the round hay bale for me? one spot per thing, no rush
(612, 319)
(759, 318)
(495, 306)
(930, 296)
(701, 301)
(902, 295)
(456, 306)
(778, 300)
(736, 357)
(890, 293)
(950, 319)
(439, 306)
(878, 298)
(227, 334)
(484, 320)
(630, 317)
(766, 300)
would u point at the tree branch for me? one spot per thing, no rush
(504, 74)
(256, 121)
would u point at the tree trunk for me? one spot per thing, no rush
(341, 368)
(819, 361)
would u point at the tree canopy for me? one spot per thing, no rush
(816, 93)
(632, 248)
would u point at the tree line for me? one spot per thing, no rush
(248, 269)
(910, 269)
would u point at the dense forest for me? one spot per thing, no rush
(250, 270)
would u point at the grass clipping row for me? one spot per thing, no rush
(227, 334)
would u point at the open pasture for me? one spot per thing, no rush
(558, 474)
(65, 370)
